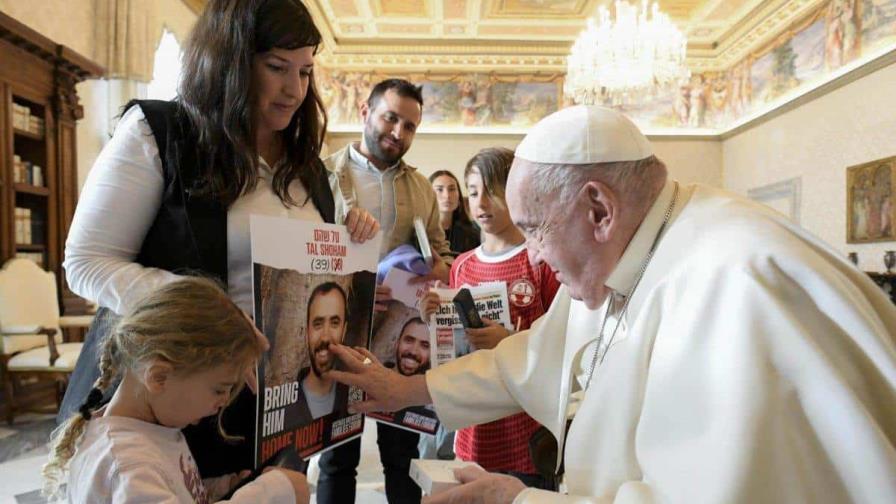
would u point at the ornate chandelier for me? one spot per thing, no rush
(636, 57)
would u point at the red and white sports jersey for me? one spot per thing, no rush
(503, 445)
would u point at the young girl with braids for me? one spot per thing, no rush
(181, 355)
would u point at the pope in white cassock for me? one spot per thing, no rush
(724, 354)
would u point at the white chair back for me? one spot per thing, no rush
(27, 299)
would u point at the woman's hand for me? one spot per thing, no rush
(488, 336)
(361, 225)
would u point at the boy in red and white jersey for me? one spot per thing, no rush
(502, 445)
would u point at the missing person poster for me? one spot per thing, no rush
(447, 335)
(312, 287)
(400, 340)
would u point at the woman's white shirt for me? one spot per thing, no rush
(118, 205)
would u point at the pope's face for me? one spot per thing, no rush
(326, 326)
(412, 353)
(563, 238)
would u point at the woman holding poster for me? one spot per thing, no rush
(173, 189)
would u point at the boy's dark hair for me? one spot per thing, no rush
(401, 87)
(493, 165)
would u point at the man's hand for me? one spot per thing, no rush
(361, 225)
(382, 297)
(479, 487)
(488, 336)
(440, 271)
(386, 390)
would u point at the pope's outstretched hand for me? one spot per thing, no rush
(386, 390)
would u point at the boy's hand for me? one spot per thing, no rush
(429, 303)
(488, 336)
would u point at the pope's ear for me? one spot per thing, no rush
(602, 207)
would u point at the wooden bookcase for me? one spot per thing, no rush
(39, 76)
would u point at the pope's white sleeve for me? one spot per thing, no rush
(470, 390)
(116, 208)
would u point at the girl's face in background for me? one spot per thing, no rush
(447, 193)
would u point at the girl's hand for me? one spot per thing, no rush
(361, 225)
(299, 483)
(488, 336)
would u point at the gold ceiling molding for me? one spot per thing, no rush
(768, 22)
(456, 33)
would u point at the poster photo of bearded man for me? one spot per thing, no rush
(401, 341)
(303, 312)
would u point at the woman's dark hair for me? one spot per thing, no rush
(493, 165)
(460, 213)
(215, 92)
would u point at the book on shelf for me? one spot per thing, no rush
(23, 225)
(25, 172)
(22, 119)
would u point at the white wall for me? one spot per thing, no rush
(688, 160)
(817, 141)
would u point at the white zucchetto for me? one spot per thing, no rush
(584, 134)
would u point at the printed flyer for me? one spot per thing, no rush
(449, 340)
(401, 341)
(312, 287)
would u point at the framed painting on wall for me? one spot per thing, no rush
(871, 201)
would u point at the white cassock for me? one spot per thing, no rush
(753, 365)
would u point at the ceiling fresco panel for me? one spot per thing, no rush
(401, 8)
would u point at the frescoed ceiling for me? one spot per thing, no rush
(524, 35)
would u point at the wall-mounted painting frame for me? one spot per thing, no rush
(784, 196)
(871, 201)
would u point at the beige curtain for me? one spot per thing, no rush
(126, 37)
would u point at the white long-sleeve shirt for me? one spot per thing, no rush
(118, 205)
(124, 460)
